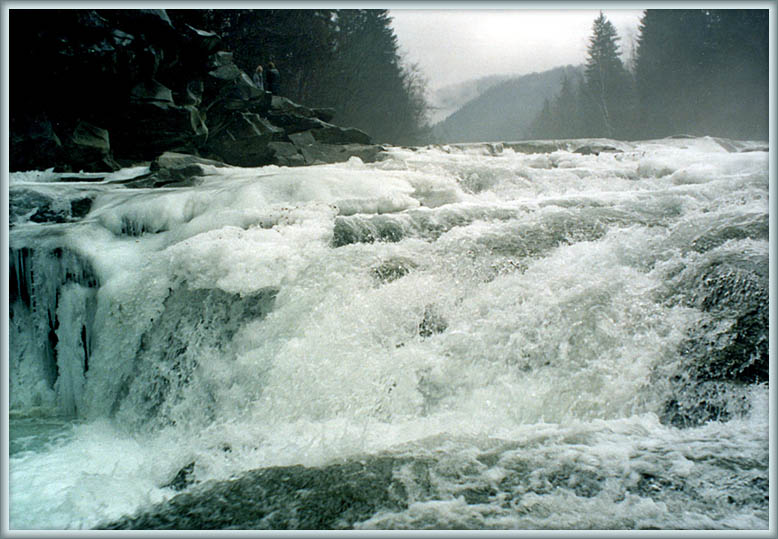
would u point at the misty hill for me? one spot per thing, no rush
(504, 111)
(448, 99)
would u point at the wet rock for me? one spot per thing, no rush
(183, 478)
(431, 323)
(200, 43)
(233, 90)
(536, 146)
(359, 229)
(596, 149)
(325, 114)
(280, 104)
(332, 134)
(88, 148)
(695, 403)
(733, 344)
(27, 204)
(392, 269)
(151, 21)
(286, 154)
(34, 145)
(153, 92)
(177, 169)
(728, 350)
(303, 138)
(243, 141)
(163, 128)
(294, 123)
(148, 395)
(130, 78)
(318, 153)
(79, 207)
(289, 497)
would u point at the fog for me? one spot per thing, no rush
(452, 46)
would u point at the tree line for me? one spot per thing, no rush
(696, 71)
(346, 59)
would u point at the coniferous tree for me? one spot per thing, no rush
(344, 59)
(703, 72)
(600, 104)
(607, 83)
(542, 126)
(566, 113)
(373, 90)
(669, 69)
(737, 74)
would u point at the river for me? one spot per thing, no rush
(454, 337)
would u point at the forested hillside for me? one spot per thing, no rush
(346, 59)
(446, 100)
(505, 111)
(698, 72)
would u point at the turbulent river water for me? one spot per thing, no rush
(465, 337)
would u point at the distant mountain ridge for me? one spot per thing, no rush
(448, 99)
(505, 111)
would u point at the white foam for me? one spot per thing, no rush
(548, 325)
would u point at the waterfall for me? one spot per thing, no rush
(488, 337)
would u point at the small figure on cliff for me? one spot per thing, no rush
(273, 78)
(259, 78)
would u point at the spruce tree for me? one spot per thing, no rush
(606, 83)
(704, 72)
(542, 126)
(345, 59)
(566, 110)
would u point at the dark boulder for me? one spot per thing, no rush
(239, 93)
(172, 169)
(154, 22)
(325, 114)
(224, 72)
(151, 91)
(200, 42)
(596, 149)
(536, 146)
(280, 104)
(45, 207)
(303, 138)
(728, 350)
(286, 154)
(294, 123)
(89, 149)
(243, 140)
(332, 134)
(120, 87)
(317, 153)
(431, 322)
(152, 128)
(290, 497)
(183, 478)
(34, 145)
(392, 269)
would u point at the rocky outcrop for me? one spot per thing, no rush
(114, 88)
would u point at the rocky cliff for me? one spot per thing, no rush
(96, 90)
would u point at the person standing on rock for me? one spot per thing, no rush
(273, 78)
(259, 78)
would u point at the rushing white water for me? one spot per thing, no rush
(579, 340)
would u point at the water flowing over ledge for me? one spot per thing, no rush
(565, 335)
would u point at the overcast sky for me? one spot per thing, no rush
(454, 45)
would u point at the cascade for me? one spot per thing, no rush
(458, 337)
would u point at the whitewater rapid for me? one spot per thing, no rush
(553, 340)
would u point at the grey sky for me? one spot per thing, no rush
(453, 45)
